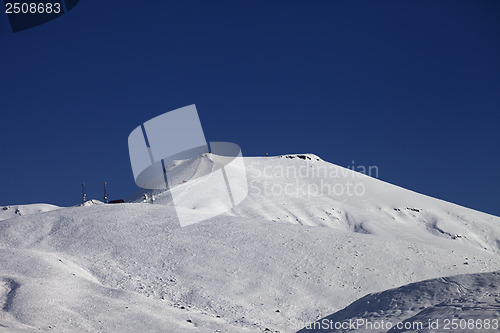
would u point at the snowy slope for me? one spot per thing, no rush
(465, 303)
(276, 260)
(303, 189)
(7, 212)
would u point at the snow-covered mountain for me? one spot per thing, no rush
(310, 239)
(7, 212)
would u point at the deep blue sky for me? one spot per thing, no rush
(410, 86)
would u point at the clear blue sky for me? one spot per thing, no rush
(410, 86)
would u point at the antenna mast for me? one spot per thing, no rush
(83, 193)
(105, 193)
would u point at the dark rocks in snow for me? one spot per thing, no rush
(302, 157)
(408, 208)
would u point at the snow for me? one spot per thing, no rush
(7, 212)
(91, 203)
(425, 305)
(281, 257)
